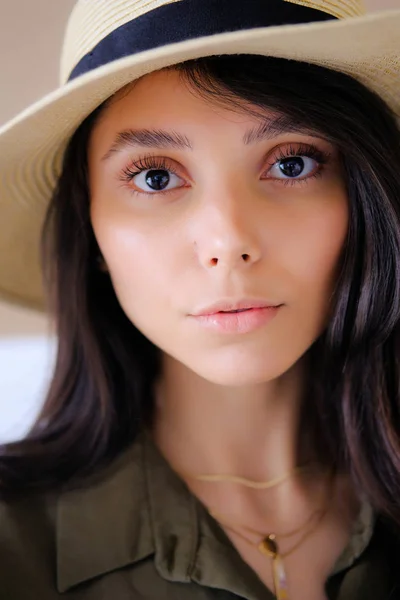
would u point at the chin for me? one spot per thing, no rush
(243, 372)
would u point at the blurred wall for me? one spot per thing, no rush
(30, 42)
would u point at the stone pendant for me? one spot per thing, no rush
(269, 547)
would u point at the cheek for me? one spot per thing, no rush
(315, 254)
(134, 253)
(319, 248)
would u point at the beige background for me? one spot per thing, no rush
(30, 42)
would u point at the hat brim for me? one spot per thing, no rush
(33, 143)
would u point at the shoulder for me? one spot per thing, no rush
(27, 518)
(53, 540)
(27, 532)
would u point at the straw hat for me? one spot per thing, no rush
(111, 42)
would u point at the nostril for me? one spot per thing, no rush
(214, 261)
(246, 257)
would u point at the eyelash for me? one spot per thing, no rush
(147, 163)
(309, 151)
(150, 162)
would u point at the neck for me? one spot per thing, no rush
(255, 432)
(252, 431)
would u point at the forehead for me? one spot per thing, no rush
(167, 103)
(166, 93)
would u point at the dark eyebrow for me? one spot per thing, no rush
(272, 128)
(146, 138)
(158, 138)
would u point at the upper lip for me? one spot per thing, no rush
(229, 305)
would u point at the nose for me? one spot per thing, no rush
(227, 231)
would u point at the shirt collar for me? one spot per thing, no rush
(360, 537)
(189, 545)
(138, 507)
(105, 525)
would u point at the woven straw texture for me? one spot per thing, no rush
(32, 144)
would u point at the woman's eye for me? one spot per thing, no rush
(293, 167)
(156, 180)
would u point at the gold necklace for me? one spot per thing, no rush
(257, 485)
(268, 545)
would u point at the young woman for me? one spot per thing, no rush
(222, 259)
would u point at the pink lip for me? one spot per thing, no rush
(249, 320)
(227, 306)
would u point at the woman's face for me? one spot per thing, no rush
(193, 204)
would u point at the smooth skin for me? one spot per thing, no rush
(215, 214)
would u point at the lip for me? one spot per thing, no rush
(255, 315)
(231, 305)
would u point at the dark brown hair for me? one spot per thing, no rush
(101, 392)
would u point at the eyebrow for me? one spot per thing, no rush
(272, 128)
(161, 139)
(147, 138)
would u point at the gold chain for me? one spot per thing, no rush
(272, 536)
(221, 519)
(257, 485)
(268, 546)
(318, 514)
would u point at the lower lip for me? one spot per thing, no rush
(241, 322)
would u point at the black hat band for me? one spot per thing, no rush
(191, 19)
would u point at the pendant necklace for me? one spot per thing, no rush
(268, 546)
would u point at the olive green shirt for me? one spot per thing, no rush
(135, 532)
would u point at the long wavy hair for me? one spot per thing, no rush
(101, 391)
